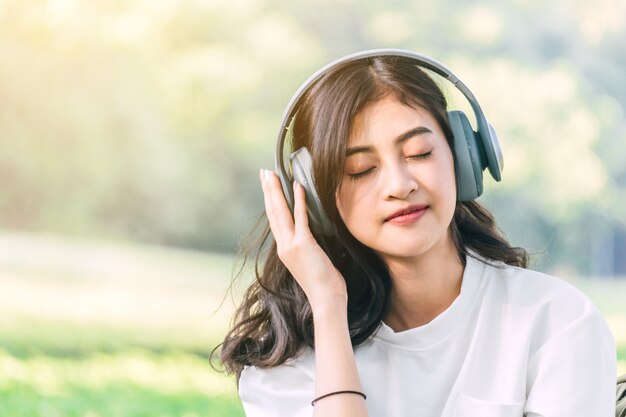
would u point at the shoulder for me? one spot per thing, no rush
(300, 368)
(280, 390)
(533, 289)
(545, 306)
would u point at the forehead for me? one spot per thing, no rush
(387, 119)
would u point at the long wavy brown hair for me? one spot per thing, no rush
(274, 320)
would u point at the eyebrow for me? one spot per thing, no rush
(416, 131)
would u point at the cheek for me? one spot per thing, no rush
(447, 185)
(348, 200)
(438, 179)
(439, 183)
(448, 179)
(343, 204)
(447, 176)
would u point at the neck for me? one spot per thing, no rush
(423, 287)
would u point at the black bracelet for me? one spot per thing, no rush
(338, 392)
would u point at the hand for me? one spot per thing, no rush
(296, 246)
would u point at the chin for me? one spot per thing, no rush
(399, 252)
(412, 249)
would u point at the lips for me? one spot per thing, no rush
(406, 210)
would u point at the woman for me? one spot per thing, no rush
(415, 304)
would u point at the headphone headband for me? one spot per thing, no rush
(484, 129)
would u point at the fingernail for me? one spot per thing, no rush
(295, 185)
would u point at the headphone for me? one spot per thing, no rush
(474, 150)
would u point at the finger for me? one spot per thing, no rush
(277, 210)
(279, 202)
(300, 210)
(267, 199)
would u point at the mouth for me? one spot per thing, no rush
(407, 212)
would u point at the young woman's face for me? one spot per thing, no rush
(397, 157)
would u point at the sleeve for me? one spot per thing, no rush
(281, 391)
(573, 374)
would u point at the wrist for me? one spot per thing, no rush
(330, 305)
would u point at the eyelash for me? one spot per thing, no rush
(358, 175)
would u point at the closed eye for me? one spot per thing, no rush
(422, 156)
(362, 174)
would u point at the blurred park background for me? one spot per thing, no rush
(132, 132)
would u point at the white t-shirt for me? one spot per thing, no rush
(514, 342)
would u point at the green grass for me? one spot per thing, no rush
(133, 383)
(25, 337)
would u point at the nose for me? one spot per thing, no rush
(399, 182)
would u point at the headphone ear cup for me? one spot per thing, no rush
(469, 173)
(302, 170)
